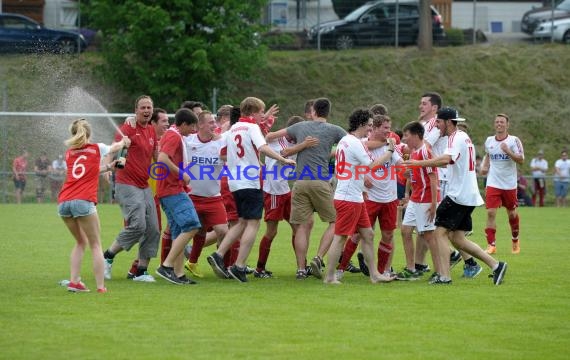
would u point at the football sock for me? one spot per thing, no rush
(264, 248)
(197, 246)
(384, 251)
(166, 243)
(134, 267)
(514, 222)
(490, 233)
(349, 250)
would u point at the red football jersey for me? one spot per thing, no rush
(82, 178)
(139, 156)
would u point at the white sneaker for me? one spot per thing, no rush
(339, 275)
(146, 277)
(108, 268)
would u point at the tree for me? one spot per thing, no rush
(345, 7)
(425, 36)
(177, 50)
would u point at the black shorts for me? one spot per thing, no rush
(453, 216)
(20, 184)
(249, 203)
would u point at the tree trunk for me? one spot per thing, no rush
(425, 38)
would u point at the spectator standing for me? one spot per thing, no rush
(19, 168)
(57, 175)
(539, 167)
(522, 194)
(561, 178)
(42, 168)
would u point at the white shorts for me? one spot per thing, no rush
(417, 215)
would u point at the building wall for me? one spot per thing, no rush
(491, 16)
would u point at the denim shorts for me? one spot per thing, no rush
(76, 208)
(181, 214)
(560, 189)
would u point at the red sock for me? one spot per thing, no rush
(514, 222)
(134, 267)
(165, 245)
(384, 251)
(349, 250)
(264, 248)
(490, 236)
(197, 246)
(231, 256)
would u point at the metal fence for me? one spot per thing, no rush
(300, 16)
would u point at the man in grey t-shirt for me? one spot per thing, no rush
(312, 190)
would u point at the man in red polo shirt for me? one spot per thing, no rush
(135, 196)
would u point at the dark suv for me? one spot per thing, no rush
(532, 19)
(21, 34)
(374, 23)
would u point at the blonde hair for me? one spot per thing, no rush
(80, 133)
(251, 105)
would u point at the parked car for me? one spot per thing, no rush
(19, 33)
(532, 19)
(374, 23)
(559, 29)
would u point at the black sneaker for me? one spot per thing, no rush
(317, 267)
(434, 276)
(263, 274)
(352, 269)
(237, 273)
(309, 271)
(454, 259)
(301, 274)
(438, 280)
(168, 275)
(186, 280)
(422, 268)
(362, 265)
(217, 264)
(499, 274)
(130, 275)
(249, 270)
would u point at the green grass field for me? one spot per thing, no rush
(282, 318)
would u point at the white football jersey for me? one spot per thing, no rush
(352, 157)
(438, 145)
(206, 165)
(276, 174)
(462, 179)
(243, 140)
(385, 180)
(502, 169)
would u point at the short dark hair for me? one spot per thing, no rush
(155, 112)
(190, 104)
(379, 109)
(434, 98)
(294, 120)
(185, 116)
(235, 114)
(415, 128)
(309, 106)
(358, 118)
(322, 107)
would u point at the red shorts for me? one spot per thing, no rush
(210, 210)
(350, 216)
(386, 213)
(494, 198)
(229, 201)
(277, 207)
